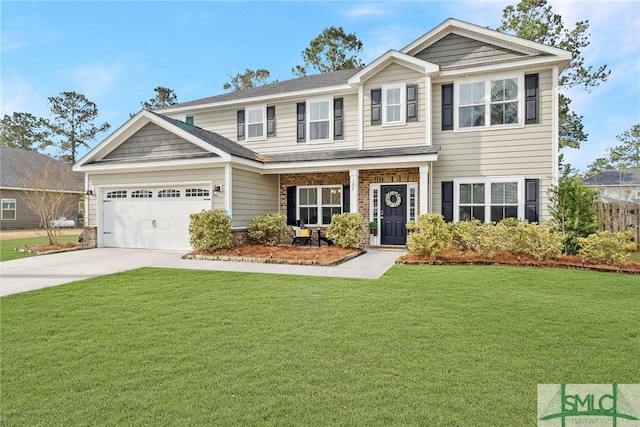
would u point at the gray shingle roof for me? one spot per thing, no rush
(315, 81)
(621, 177)
(350, 154)
(14, 163)
(212, 138)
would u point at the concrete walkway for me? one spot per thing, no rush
(31, 273)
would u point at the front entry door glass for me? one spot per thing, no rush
(393, 200)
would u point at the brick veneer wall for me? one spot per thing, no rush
(365, 178)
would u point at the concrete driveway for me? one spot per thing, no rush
(38, 272)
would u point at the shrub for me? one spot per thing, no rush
(432, 238)
(606, 247)
(210, 230)
(465, 234)
(574, 209)
(346, 229)
(267, 229)
(524, 238)
(491, 239)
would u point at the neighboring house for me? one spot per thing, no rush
(617, 185)
(461, 122)
(619, 207)
(21, 172)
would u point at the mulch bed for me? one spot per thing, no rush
(52, 249)
(472, 258)
(297, 255)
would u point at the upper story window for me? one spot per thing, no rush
(495, 102)
(502, 102)
(394, 104)
(255, 122)
(320, 120)
(393, 101)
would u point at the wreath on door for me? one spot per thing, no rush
(393, 199)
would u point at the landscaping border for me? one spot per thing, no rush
(570, 266)
(316, 262)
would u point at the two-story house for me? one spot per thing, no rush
(462, 122)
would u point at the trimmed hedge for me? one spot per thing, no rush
(605, 247)
(267, 229)
(210, 230)
(346, 229)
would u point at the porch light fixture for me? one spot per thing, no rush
(89, 193)
(216, 190)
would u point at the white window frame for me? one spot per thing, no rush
(247, 122)
(487, 103)
(403, 104)
(318, 205)
(487, 181)
(310, 101)
(14, 210)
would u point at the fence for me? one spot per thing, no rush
(621, 216)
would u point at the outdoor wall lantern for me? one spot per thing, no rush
(216, 190)
(89, 193)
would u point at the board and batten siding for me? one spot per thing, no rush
(520, 151)
(153, 141)
(252, 195)
(455, 50)
(408, 134)
(223, 121)
(131, 180)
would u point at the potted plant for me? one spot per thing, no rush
(373, 228)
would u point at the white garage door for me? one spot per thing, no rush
(151, 218)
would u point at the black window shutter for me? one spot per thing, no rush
(271, 121)
(412, 103)
(300, 110)
(531, 98)
(240, 124)
(338, 111)
(447, 107)
(531, 203)
(346, 199)
(447, 200)
(376, 107)
(291, 205)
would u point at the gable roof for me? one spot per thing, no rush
(211, 142)
(615, 177)
(315, 81)
(14, 163)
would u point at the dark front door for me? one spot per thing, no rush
(393, 217)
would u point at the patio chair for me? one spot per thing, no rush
(324, 238)
(301, 235)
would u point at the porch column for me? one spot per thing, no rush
(423, 190)
(226, 189)
(353, 189)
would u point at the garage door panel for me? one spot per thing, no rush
(150, 223)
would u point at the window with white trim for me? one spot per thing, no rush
(320, 119)
(256, 123)
(8, 209)
(489, 103)
(489, 199)
(316, 205)
(393, 104)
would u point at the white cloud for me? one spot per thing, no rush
(366, 10)
(11, 42)
(96, 79)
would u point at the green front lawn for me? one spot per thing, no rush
(8, 247)
(435, 346)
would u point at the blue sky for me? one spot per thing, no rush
(115, 53)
